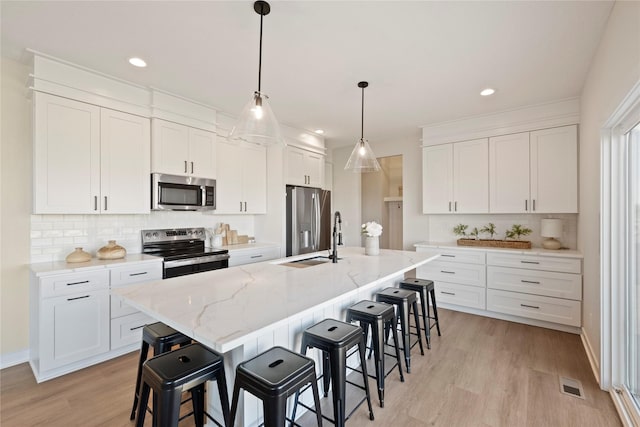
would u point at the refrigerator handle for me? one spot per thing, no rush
(316, 221)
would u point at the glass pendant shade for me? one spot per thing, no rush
(362, 158)
(257, 123)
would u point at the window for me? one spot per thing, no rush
(632, 283)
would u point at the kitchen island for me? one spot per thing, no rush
(244, 310)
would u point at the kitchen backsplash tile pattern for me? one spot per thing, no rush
(441, 226)
(53, 237)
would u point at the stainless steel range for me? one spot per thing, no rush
(183, 251)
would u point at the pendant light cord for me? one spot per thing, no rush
(260, 55)
(362, 119)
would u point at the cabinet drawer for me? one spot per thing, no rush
(66, 284)
(465, 274)
(455, 255)
(136, 273)
(127, 330)
(120, 308)
(248, 256)
(551, 284)
(556, 310)
(468, 296)
(531, 262)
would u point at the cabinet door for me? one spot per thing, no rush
(170, 148)
(124, 163)
(296, 174)
(66, 156)
(73, 327)
(471, 176)
(509, 173)
(255, 179)
(229, 185)
(314, 167)
(437, 179)
(202, 153)
(554, 170)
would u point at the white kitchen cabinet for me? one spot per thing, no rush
(182, 150)
(534, 172)
(88, 159)
(455, 178)
(304, 167)
(241, 186)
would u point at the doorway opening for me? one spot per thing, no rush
(382, 200)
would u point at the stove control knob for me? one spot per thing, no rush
(199, 233)
(147, 235)
(155, 235)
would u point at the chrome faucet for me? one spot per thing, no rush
(337, 236)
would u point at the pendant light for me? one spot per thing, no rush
(257, 123)
(362, 158)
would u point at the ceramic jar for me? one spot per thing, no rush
(78, 255)
(371, 245)
(111, 251)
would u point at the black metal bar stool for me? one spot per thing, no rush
(272, 377)
(425, 289)
(334, 338)
(404, 300)
(170, 374)
(161, 338)
(379, 317)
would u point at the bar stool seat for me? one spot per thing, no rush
(425, 289)
(272, 377)
(380, 317)
(161, 338)
(170, 374)
(405, 301)
(334, 339)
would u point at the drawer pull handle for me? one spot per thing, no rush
(137, 327)
(447, 293)
(256, 256)
(73, 299)
(448, 256)
(448, 272)
(530, 262)
(138, 274)
(77, 283)
(530, 306)
(530, 281)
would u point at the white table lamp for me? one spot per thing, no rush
(551, 228)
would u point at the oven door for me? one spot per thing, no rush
(183, 267)
(181, 193)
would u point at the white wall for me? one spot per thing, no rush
(612, 74)
(15, 207)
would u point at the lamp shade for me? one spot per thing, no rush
(551, 227)
(257, 123)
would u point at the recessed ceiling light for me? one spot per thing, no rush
(137, 62)
(319, 131)
(488, 91)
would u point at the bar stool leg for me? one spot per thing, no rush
(362, 347)
(396, 344)
(197, 399)
(274, 412)
(224, 397)
(326, 367)
(167, 411)
(234, 404)
(378, 351)
(143, 394)
(406, 339)
(435, 310)
(416, 317)
(316, 399)
(144, 350)
(338, 373)
(424, 300)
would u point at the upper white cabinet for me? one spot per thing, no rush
(455, 178)
(89, 159)
(304, 167)
(534, 172)
(182, 150)
(241, 186)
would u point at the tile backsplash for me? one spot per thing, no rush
(441, 226)
(53, 237)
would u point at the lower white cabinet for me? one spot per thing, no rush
(75, 322)
(524, 287)
(248, 255)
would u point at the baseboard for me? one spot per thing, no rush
(15, 358)
(593, 360)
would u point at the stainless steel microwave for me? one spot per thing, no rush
(182, 193)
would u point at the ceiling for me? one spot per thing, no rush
(426, 62)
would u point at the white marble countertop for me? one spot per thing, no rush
(225, 308)
(60, 267)
(568, 253)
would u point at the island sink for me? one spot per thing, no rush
(307, 262)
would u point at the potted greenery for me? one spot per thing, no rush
(517, 231)
(460, 230)
(490, 229)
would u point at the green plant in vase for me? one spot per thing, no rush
(474, 233)
(517, 231)
(460, 230)
(490, 229)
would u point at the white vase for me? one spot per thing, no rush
(371, 245)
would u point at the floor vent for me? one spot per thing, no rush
(571, 387)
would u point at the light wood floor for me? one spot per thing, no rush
(481, 372)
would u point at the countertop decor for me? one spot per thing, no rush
(78, 255)
(111, 251)
(513, 244)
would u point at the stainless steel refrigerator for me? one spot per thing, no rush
(308, 220)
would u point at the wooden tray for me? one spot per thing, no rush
(513, 244)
